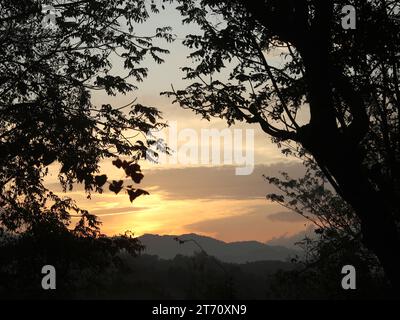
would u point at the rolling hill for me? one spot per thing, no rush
(166, 247)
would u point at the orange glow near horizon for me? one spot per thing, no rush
(225, 219)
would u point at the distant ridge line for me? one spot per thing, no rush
(166, 247)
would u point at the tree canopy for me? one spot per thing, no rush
(315, 88)
(48, 74)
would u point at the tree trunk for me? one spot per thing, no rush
(378, 224)
(338, 154)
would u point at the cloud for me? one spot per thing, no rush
(216, 182)
(117, 211)
(247, 226)
(205, 200)
(287, 216)
(290, 241)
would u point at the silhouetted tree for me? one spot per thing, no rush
(336, 242)
(52, 59)
(334, 92)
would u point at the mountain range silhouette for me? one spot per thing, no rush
(167, 247)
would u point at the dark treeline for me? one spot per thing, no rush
(88, 269)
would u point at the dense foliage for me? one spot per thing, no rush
(48, 74)
(320, 90)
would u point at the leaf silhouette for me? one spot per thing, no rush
(133, 194)
(100, 180)
(116, 186)
(137, 177)
(133, 170)
(117, 163)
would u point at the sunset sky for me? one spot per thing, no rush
(208, 200)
